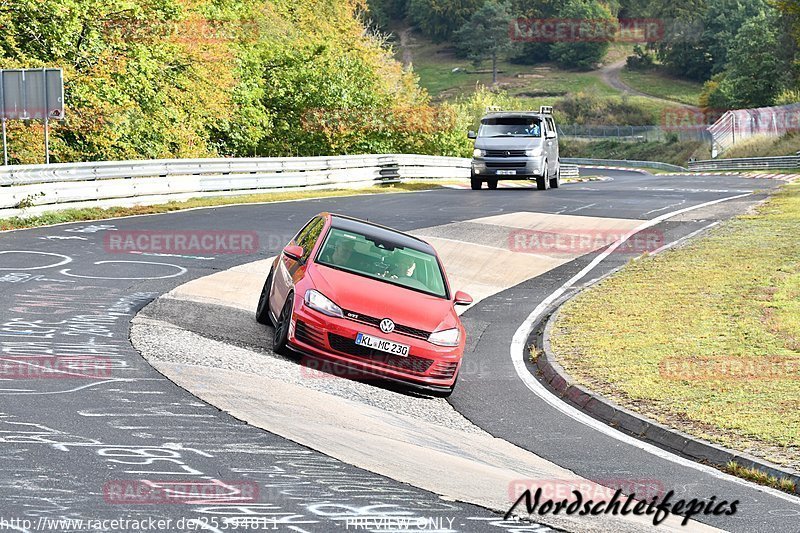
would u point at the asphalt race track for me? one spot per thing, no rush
(76, 445)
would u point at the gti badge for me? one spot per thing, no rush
(387, 326)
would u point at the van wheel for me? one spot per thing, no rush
(476, 183)
(556, 182)
(492, 184)
(542, 181)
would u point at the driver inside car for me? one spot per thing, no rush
(403, 266)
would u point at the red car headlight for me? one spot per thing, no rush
(319, 302)
(446, 337)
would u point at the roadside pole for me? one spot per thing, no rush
(46, 140)
(5, 146)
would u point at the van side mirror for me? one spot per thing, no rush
(471, 135)
(551, 135)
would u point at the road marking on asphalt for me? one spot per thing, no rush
(180, 271)
(472, 266)
(520, 338)
(64, 259)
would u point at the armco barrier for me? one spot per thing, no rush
(747, 163)
(63, 183)
(622, 163)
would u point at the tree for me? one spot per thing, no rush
(580, 51)
(485, 35)
(439, 19)
(721, 22)
(755, 74)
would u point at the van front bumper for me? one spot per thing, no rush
(508, 168)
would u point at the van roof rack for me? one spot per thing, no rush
(543, 110)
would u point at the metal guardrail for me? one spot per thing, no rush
(748, 163)
(622, 163)
(569, 171)
(62, 183)
(107, 180)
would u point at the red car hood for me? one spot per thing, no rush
(383, 300)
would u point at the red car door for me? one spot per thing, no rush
(289, 270)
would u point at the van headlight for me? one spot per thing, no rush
(534, 152)
(446, 337)
(477, 152)
(318, 301)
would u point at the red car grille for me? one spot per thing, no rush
(444, 370)
(308, 334)
(398, 328)
(348, 346)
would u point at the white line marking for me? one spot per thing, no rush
(25, 392)
(180, 272)
(682, 239)
(583, 207)
(676, 204)
(66, 259)
(518, 359)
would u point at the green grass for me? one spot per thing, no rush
(676, 153)
(658, 84)
(434, 65)
(789, 144)
(96, 213)
(757, 476)
(543, 84)
(728, 299)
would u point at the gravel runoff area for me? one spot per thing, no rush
(161, 341)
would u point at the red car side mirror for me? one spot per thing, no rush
(293, 251)
(462, 298)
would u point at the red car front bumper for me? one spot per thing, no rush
(427, 366)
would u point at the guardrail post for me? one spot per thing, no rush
(389, 170)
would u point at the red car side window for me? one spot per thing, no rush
(310, 236)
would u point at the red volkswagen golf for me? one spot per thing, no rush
(367, 297)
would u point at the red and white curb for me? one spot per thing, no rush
(749, 175)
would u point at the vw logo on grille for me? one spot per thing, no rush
(387, 326)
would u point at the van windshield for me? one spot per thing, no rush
(510, 127)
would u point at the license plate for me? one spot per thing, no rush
(506, 172)
(376, 343)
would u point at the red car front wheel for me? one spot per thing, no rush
(282, 326)
(262, 311)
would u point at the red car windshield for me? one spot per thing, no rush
(406, 267)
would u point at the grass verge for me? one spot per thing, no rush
(96, 213)
(760, 146)
(675, 152)
(762, 478)
(656, 83)
(704, 338)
